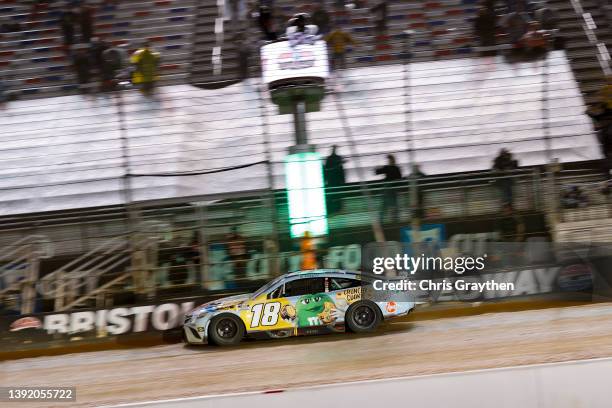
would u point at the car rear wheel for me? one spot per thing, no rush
(363, 317)
(225, 330)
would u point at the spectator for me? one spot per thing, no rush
(236, 245)
(113, 62)
(535, 40)
(516, 26)
(334, 180)
(67, 22)
(338, 41)
(392, 174)
(146, 63)
(485, 28)
(309, 252)
(82, 66)
(320, 18)
(602, 116)
(266, 23)
(96, 52)
(503, 165)
(86, 22)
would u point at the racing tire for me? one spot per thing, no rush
(363, 317)
(225, 330)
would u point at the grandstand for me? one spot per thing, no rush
(462, 112)
(35, 62)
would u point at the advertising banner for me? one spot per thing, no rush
(281, 61)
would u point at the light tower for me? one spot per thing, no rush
(295, 70)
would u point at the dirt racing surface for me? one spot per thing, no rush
(399, 348)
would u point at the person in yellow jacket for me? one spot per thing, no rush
(338, 40)
(146, 63)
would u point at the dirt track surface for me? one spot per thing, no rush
(401, 348)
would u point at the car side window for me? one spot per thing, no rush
(300, 287)
(343, 283)
(276, 293)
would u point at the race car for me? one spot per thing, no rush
(298, 303)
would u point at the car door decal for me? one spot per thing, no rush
(265, 314)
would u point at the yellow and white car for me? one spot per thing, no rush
(298, 303)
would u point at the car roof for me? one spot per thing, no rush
(322, 272)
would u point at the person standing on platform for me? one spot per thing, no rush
(338, 41)
(392, 174)
(146, 62)
(81, 62)
(504, 164)
(334, 181)
(485, 28)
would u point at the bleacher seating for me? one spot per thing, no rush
(34, 61)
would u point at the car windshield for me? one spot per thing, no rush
(266, 287)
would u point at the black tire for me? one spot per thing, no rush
(225, 330)
(363, 317)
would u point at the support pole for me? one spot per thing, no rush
(138, 272)
(299, 122)
(271, 201)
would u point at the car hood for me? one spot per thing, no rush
(221, 304)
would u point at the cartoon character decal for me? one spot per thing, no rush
(314, 310)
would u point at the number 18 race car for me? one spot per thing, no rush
(298, 303)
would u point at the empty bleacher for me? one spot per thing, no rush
(462, 112)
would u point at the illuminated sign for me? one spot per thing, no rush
(305, 194)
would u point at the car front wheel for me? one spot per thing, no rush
(226, 330)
